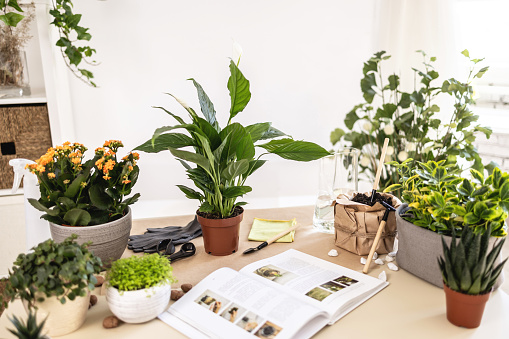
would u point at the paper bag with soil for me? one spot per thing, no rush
(356, 225)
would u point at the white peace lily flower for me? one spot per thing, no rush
(364, 161)
(402, 156)
(411, 146)
(367, 126)
(390, 150)
(236, 52)
(389, 129)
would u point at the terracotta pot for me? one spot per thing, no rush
(62, 318)
(109, 240)
(419, 249)
(221, 236)
(465, 310)
(138, 306)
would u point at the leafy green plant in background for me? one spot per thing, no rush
(63, 270)
(225, 157)
(444, 202)
(467, 266)
(409, 119)
(67, 23)
(29, 329)
(139, 272)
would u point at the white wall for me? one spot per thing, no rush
(303, 59)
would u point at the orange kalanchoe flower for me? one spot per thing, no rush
(51, 175)
(106, 177)
(108, 166)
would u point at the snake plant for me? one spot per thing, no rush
(467, 266)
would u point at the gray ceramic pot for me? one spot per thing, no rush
(419, 249)
(108, 240)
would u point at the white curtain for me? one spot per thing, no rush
(404, 26)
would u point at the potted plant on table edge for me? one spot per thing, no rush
(55, 279)
(29, 329)
(224, 158)
(469, 272)
(89, 194)
(442, 202)
(139, 287)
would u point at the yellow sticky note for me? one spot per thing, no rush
(264, 229)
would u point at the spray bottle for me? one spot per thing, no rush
(37, 229)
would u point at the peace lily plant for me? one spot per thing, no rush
(224, 157)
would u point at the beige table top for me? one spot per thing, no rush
(407, 308)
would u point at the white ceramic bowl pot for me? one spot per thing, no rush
(138, 306)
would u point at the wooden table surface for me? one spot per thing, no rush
(408, 308)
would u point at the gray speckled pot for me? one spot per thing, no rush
(419, 249)
(108, 240)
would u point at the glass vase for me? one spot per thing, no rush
(338, 174)
(14, 81)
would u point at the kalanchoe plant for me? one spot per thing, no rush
(467, 266)
(81, 193)
(444, 202)
(63, 270)
(224, 157)
(409, 119)
(139, 272)
(29, 330)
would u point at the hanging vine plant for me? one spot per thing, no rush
(72, 35)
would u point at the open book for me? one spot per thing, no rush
(289, 295)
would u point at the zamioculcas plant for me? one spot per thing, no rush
(467, 266)
(441, 200)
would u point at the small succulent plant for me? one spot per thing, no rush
(467, 266)
(29, 330)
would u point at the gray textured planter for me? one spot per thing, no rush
(419, 249)
(108, 240)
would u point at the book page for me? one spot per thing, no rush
(331, 287)
(227, 304)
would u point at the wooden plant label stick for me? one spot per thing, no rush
(380, 164)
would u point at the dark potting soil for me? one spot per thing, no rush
(366, 200)
(236, 211)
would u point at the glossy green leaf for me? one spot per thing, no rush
(77, 217)
(272, 133)
(245, 148)
(236, 191)
(300, 151)
(198, 159)
(190, 193)
(98, 197)
(257, 130)
(235, 169)
(238, 86)
(206, 105)
(11, 18)
(165, 141)
(75, 186)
